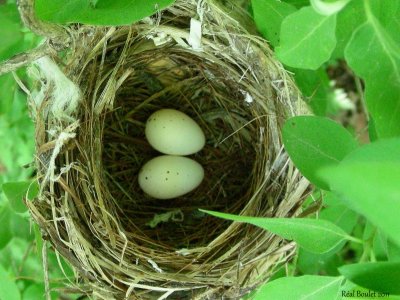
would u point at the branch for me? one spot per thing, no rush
(23, 59)
(57, 35)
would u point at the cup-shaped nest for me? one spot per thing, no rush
(90, 111)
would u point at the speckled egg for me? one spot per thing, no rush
(168, 176)
(173, 132)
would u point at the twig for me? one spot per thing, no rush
(23, 59)
(57, 35)
(25, 257)
(46, 271)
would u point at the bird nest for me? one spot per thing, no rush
(90, 109)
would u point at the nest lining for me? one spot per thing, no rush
(93, 210)
(175, 79)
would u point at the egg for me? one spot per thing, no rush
(172, 132)
(168, 176)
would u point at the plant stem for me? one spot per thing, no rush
(23, 59)
(368, 247)
(57, 35)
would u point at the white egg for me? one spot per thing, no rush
(168, 176)
(173, 132)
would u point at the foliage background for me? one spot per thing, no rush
(345, 58)
(21, 268)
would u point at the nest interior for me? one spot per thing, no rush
(90, 204)
(168, 77)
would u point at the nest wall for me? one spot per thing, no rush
(90, 111)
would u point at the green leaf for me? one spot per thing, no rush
(307, 39)
(348, 20)
(60, 267)
(268, 15)
(16, 192)
(101, 12)
(7, 86)
(393, 251)
(282, 271)
(374, 54)
(8, 287)
(17, 254)
(341, 216)
(328, 8)
(298, 3)
(94, 2)
(38, 239)
(317, 236)
(316, 89)
(370, 186)
(10, 31)
(37, 292)
(313, 264)
(5, 231)
(380, 246)
(304, 287)
(385, 150)
(34, 292)
(28, 267)
(373, 135)
(20, 227)
(378, 276)
(314, 143)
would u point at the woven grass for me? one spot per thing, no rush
(91, 147)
